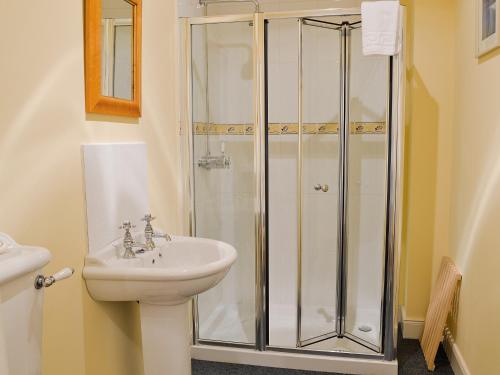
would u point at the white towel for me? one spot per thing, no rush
(380, 30)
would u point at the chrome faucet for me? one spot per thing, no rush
(149, 233)
(128, 241)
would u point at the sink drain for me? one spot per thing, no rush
(365, 328)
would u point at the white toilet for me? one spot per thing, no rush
(21, 306)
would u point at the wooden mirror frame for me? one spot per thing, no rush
(95, 102)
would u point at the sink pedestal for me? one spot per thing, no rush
(166, 342)
(163, 281)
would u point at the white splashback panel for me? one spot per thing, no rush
(116, 189)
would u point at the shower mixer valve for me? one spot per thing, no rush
(221, 161)
(214, 162)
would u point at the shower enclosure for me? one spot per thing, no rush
(294, 148)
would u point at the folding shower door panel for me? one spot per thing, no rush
(342, 166)
(367, 192)
(319, 179)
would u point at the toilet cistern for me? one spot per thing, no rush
(22, 289)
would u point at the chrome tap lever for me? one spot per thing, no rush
(126, 225)
(165, 236)
(42, 281)
(149, 232)
(148, 218)
(128, 240)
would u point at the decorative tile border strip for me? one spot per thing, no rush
(289, 128)
(368, 128)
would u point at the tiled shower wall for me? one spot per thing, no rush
(225, 197)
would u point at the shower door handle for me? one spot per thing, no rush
(323, 188)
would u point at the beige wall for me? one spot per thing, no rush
(429, 101)
(475, 197)
(453, 174)
(452, 171)
(42, 125)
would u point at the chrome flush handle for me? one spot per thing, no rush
(42, 281)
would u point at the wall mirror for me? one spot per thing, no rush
(487, 26)
(113, 57)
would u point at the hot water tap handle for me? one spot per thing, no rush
(148, 218)
(126, 225)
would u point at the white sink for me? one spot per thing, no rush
(163, 281)
(171, 274)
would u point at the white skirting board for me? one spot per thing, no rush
(294, 361)
(454, 355)
(412, 329)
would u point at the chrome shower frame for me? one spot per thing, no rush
(204, 3)
(394, 179)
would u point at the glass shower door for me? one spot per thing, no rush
(367, 193)
(223, 169)
(343, 185)
(319, 179)
(303, 177)
(326, 148)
